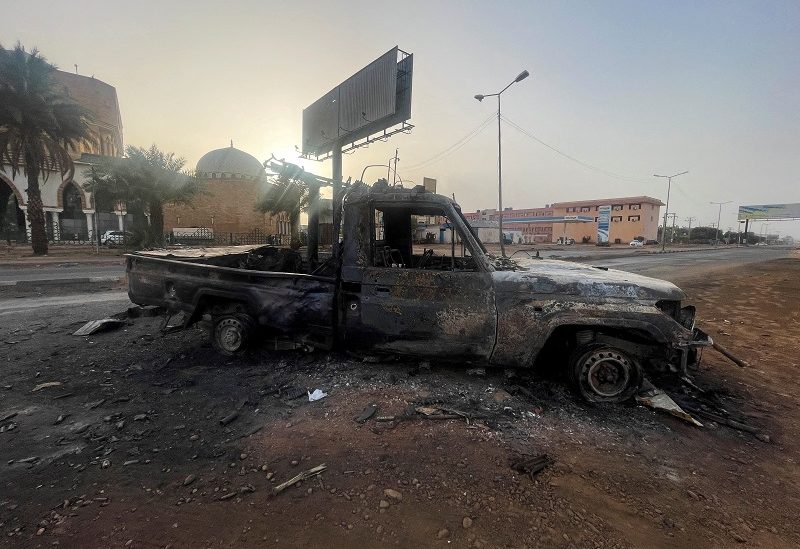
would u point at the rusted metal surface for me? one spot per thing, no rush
(532, 304)
(293, 304)
(474, 308)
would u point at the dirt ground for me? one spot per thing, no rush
(129, 450)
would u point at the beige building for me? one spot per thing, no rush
(631, 217)
(234, 181)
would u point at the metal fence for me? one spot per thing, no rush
(201, 237)
(207, 237)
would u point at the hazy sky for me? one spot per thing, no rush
(634, 88)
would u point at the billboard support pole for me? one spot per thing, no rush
(336, 175)
(746, 228)
(313, 225)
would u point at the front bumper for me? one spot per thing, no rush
(688, 350)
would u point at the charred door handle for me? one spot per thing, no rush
(382, 289)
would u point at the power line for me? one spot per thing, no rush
(452, 148)
(568, 156)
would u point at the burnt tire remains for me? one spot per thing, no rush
(232, 333)
(604, 373)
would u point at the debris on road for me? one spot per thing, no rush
(733, 424)
(316, 394)
(531, 466)
(733, 358)
(393, 494)
(46, 385)
(94, 326)
(234, 414)
(655, 398)
(368, 412)
(302, 476)
(8, 416)
(146, 311)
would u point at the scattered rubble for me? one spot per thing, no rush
(94, 326)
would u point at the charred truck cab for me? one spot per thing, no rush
(382, 294)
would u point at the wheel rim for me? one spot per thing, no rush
(606, 373)
(230, 334)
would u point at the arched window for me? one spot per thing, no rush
(73, 209)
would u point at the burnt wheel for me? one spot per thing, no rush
(231, 333)
(603, 373)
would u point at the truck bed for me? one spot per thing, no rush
(206, 281)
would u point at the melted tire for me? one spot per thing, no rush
(232, 333)
(603, 373)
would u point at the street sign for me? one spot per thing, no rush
(603, 224)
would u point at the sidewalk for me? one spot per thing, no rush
(60, 255)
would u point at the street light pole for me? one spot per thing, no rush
(666, 207)
(719, 214)
(480, 97)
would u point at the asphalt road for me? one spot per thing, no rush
(676, 265)
(54, 272)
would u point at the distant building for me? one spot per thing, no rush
(631, 217)
(69, 209)
(233, 183)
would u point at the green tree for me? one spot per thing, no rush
(285, 194)
(39, 122)
(145, 180)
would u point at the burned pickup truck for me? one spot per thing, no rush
(379, 294)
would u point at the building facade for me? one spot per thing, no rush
(631, 217)
(69, 209)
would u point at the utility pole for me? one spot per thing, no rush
(719, 214)
(480, 97)
(689, 234)
(395, 166)
(673, 215)
(666, 208)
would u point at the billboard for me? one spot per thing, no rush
(372, 100)
(770, 211)
(603, 224)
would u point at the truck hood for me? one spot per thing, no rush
(551, 276)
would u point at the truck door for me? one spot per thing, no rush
(435, 302)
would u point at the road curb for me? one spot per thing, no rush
(61, 281)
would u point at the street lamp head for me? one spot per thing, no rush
(479, 97)
(522, 76)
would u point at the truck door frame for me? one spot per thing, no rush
(446, 314)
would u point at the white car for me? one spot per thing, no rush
(115, 238)
(636, 244)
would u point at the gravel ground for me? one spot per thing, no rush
(131, 438)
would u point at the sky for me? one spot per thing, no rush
(629, 88)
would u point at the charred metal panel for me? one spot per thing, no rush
(289, 303)
(448, 315)
(533, 303)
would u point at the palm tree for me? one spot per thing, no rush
(286, 194)
(145, 180)
(39, 122)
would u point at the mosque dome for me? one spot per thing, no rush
(229, 163)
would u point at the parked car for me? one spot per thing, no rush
(115, 238)
(375, 295)
(650, 242)
(636, 244)
(565, 241)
